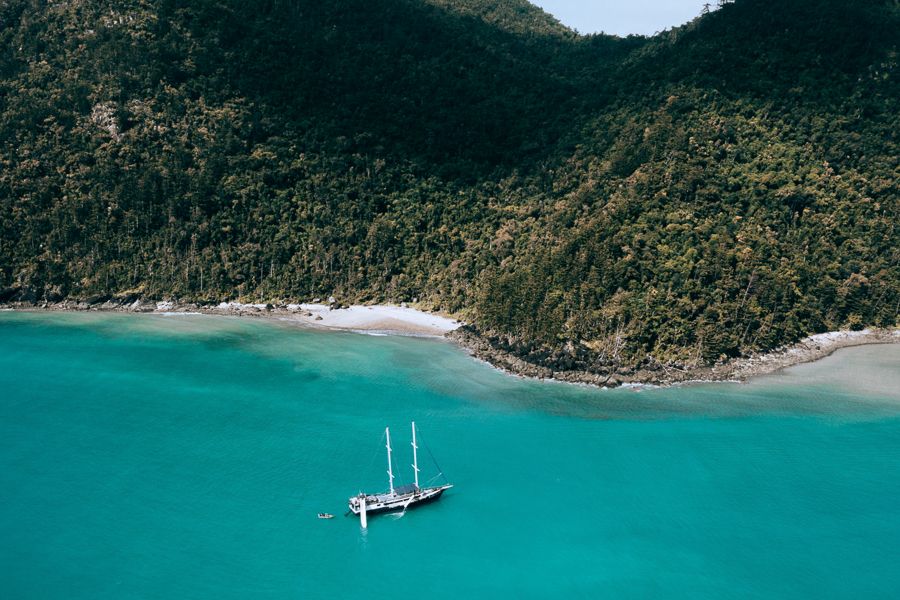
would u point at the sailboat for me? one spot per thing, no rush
(399, 498)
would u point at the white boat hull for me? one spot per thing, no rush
(382, 503)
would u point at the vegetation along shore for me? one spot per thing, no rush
(638, 209)
(404, 320)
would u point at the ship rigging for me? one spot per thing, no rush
(399, 498)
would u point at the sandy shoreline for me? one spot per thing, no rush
(403, 320)
(809, 349)
(388, 319)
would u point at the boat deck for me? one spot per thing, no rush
(391, 502)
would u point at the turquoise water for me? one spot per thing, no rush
(187, 456)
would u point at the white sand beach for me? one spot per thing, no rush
(404, 320)
(377, 318)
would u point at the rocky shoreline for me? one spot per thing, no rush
(650, 372)
(560, 366)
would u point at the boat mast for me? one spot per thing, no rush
(415, 464)
(387, 433)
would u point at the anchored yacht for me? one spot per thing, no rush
(400, 498)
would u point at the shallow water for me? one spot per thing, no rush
(187, 456)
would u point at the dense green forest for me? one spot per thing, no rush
(723, 187)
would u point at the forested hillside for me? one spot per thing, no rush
(724, 187)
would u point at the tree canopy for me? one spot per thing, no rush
(722, 187)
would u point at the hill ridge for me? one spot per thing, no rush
(595, 202)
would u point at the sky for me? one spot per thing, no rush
(623, 17)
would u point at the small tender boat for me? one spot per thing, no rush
(326, 516)
(396, 499)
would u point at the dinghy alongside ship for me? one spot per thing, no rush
(400, 498)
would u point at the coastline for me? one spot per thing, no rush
(737, 370)
(383, 318)
(404, 320)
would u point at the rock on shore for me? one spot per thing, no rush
(381, 318)
(559, 367)
(568, 364)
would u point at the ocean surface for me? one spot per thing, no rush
(149, 456)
